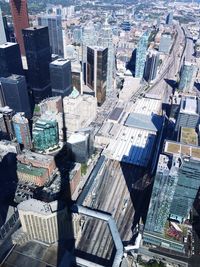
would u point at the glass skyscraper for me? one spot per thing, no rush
(188, 76)
(141, 55)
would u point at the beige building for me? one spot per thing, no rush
(47, 222)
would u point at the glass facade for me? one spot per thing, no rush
(141, 55)
(45, 135)
(188, 76)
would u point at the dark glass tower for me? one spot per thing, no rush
(97, 58)
(38, 54)
(10, 60)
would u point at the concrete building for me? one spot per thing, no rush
(45, 134)
(165, 43)
(8, 147)
(151, 66)
(188, 115)
(6, 127)
(141, 55)
(177, 175)
(54, 24)
(38, 54)
(188, 77)
(96, 73)
(48, 222)
(79, 111)
(19, 13)
(61, 77)
(2, 30)
(15, 94)
(22, 130)
(10, 60)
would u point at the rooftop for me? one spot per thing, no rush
(35, 28)
(176, 148)
(147, 106)
(8, 44)
(28, 155)
(39, 207)
(189, 136)
(76, 138)
(115, 114)
(19, 118)
(189, 105)
(59, 62)
(30, 170)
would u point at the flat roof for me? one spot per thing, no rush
(115, 114)
(145, 122)
(76, 137)
(189, 136)
(189, 105)
(59, 62)
(147, 106)
(35, 28)
(30, 170)
(39, 207)
(176, 148)
(28, 155)
(8, 44)
(133, 146)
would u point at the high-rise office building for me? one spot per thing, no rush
(15, 94)
(19, 12)
(97, 58)
(2, 30)
(54, 24)
(175, 188)
(61, 77)
(7, 28)
(38, 54)
(22, 130)
(188, 115)
(10, 60)
(106, 40)
(45, 134)
(165, 43)
(151, 66)
(141, 55)
(6, 127)
(48, 222)
(169, 18)
(188, 76)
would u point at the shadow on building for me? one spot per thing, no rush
(66, 244)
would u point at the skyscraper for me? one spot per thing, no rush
(169, 18)
(97, 58)
(2, 30)
(54, 24)
(61, 77)
(38, 54)
(141, 55)
(175, 188)
(6, 127)
(22, 131)
(151, 66)
(10, 60)
(15, 94)
(188, 76)
(20, 19)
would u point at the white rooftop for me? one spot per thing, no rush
(60, 62)
(76, 138)
(39, 207)
(8, 44)
(147, 106)
(189, 105)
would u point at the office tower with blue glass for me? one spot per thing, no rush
(22, 130)
(38, 54)
(188, 76)
(10, 60)
(141, 55)
(169, 19)
(15, 94)
(54, 24)
(165, 43)
(97, 58)
(175, 187)
(151, 66)
(61, 77)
